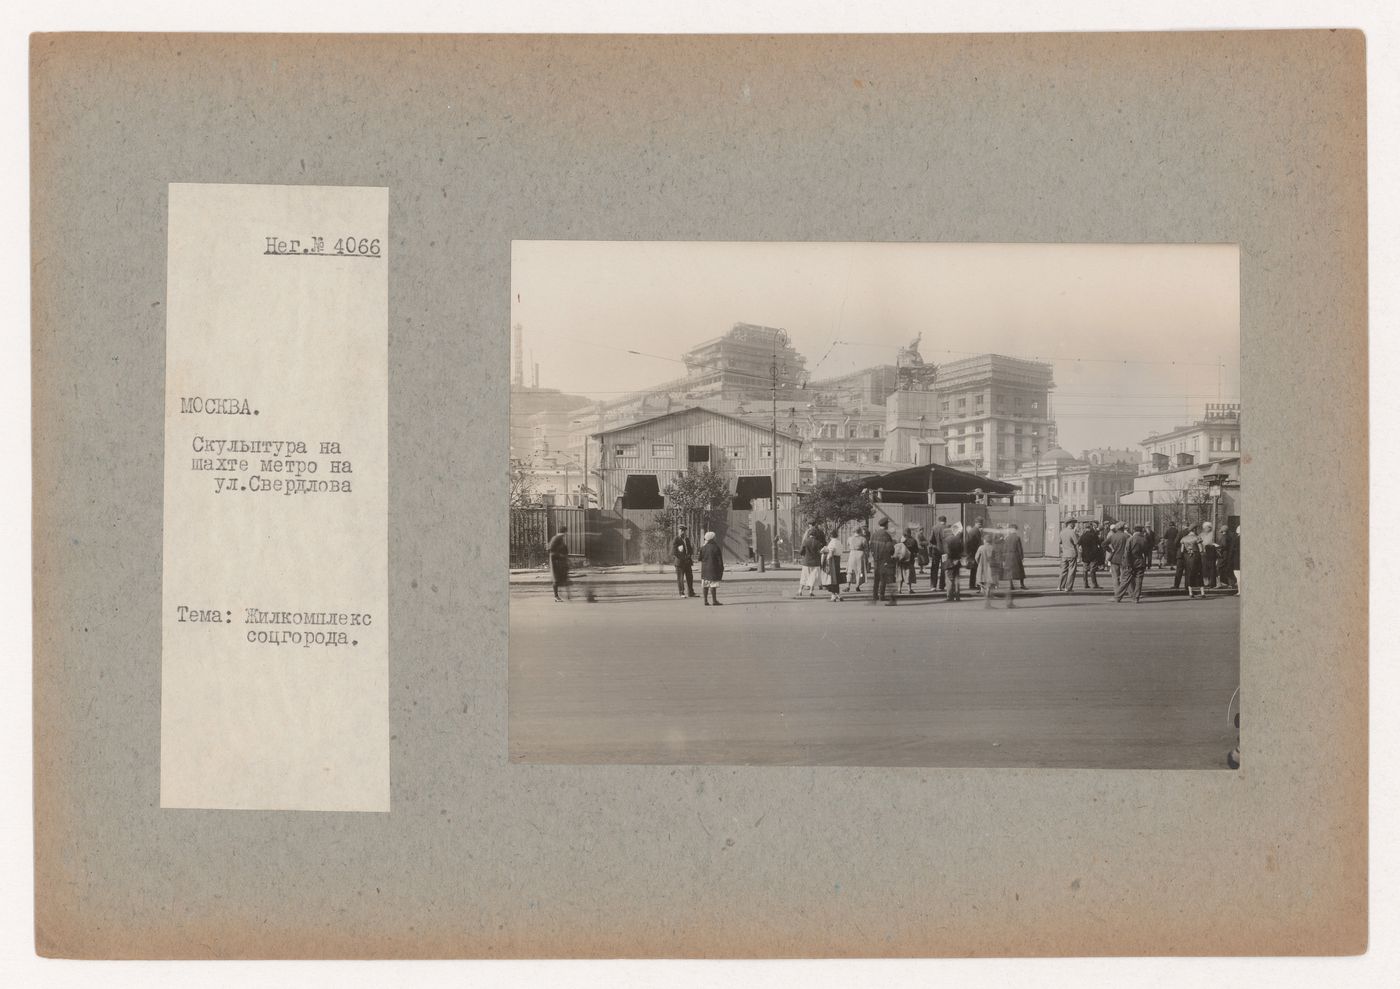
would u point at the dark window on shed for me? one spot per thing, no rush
(642, 491)
(697, 454)
(749, 488)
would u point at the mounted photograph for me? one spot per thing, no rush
(1015, 469)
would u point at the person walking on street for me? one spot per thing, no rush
(855, 560)
(682, 550)
(881, 561)
(1189, 560)
(711, 569)
(952, 560)
(811, 551)
(831, 561)
(988, 567)
(923, 544)
(937, 545)
(558, 550)
(972, 539)
(1014, 562)
(1069, 556)
(1209, 554)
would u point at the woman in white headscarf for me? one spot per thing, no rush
(711, 569)
(831, 561)
(1190, 554)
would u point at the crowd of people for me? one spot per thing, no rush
(1199, 558)
(893, 562)
(994, 558)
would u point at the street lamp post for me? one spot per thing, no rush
(583, 491)
(773, 452)
(1217, 484)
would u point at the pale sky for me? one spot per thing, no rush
(1140, 336)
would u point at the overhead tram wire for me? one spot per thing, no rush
(1037, 357)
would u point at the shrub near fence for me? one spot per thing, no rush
(529, 535)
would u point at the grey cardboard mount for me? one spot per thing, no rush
(1253, 138)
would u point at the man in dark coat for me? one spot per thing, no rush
(682, 550)
(937, 547)
(953, 549)
(972, 541)
(882, 561)
(711, 569)
(1090, 549)
(1170, 539)
(558, 550)
(1223, 569)
(1014, 552)
(1134, 566)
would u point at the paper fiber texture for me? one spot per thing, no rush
(274, 660)
(1249, 138)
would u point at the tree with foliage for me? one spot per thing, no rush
(696, 497)
(522, 485)
(656, 539)
(1190, 504)
(830, 503)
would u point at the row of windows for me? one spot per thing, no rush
(1019, 402)
(850, 456)
(831, 431)
(977, 427)
(1218, 444)
(696, 454)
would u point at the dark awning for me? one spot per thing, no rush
(910, 486)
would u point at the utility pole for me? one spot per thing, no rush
(773, 368)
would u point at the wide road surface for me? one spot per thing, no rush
(643, 676)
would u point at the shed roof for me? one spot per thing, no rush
(686, 411)
(913, 483)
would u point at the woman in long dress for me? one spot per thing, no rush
(711, 569)
(1190, 552)
(831, 554)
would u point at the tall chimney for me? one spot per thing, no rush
(517, 356)
(537, 374)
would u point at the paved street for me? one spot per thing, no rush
(643, 676)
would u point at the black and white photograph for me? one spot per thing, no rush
(1016, 470)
